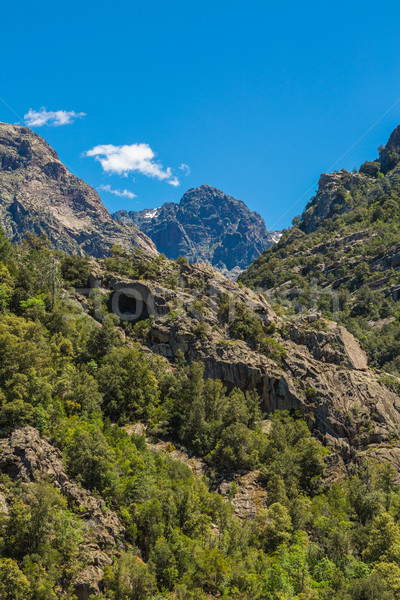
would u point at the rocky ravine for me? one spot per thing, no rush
(39, 195)
(28, 458)
(207, 225)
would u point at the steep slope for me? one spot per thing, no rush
(90, 507)
(207, 225)
(27, 458)
(305, 364)
(39, 195)
(342, 255)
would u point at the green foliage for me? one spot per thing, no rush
(128, 385)
(141, 329)
(135, 266)
(76, 270)
(201, 329)
(343, 267)
(89, 458)
(238, 449)
(371, 168)
(14, 585)
(391, 383)
(131, 579)
(247, 326)
(81, 382)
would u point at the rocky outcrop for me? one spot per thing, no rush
(26, 457)
(343, 401)
(333, 197)
(208, 226)
(39, 195)
(324, 375)
(333, 345)
(389, 155)
(246, 493)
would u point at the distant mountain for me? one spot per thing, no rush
(38, 194)
(207, 225)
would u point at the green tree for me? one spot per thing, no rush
(128, 384)
(238, 449)
(14, 585)
(89, 457)
(131, 579)
(275, 526)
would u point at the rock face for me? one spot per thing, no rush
(207, 225)
(389, 154)
(26, 457)
(38, 194)
(333, 196)
(342, 400)
(335, 190)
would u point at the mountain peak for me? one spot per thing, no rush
(208, 194)
(389, 155)
(206, 225)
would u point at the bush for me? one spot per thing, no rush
(371, 168)
(76, 270)
(238, 449)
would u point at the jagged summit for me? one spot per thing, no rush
(206, 225)
(337, 191)
(389, 155)
(38, 194)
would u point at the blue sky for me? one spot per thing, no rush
(257, 98)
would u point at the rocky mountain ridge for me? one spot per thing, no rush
(337, 192)
(39, 195)
(342, 255)
(207, 226)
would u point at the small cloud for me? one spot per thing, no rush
(130, 159)
(185, 169)
(119, 193)
(51, 118)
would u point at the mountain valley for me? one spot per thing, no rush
(168, 433)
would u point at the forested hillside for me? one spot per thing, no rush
(342, 256)
(90, 508)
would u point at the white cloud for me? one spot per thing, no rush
(119, 193)
(185, 169)
(129, 159)
(52, 118)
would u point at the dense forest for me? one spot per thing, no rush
(81, 384)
